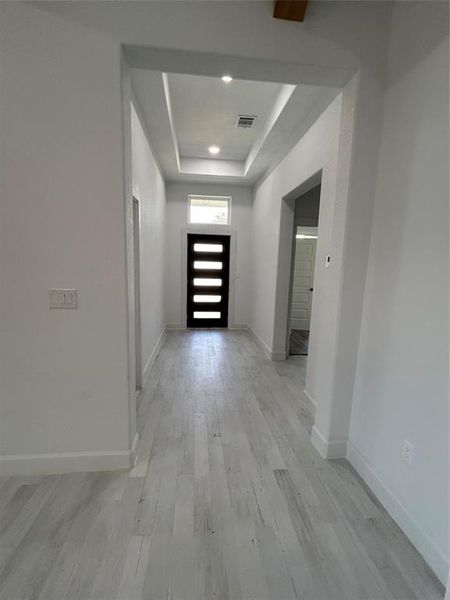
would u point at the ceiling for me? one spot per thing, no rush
(186, 114)
(205, 110)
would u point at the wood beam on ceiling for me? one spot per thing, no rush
(291, 10)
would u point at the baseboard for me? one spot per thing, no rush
(432, 555)
(153, 355)
(66, 462)
(179, 327)
(313, 402)
(278, 355)
(261, 343)
(134, 450)
(265, 348)
(175, 327)
(327, 448)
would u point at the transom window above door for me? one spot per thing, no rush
(209, 210)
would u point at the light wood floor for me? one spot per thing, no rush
(228, 500)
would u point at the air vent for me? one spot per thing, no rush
(245, 121)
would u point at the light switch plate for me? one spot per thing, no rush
(61, 298)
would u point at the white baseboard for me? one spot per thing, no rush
(175, 327)
(265, 348)
(66, 462)
(313, 402)
(134, 450)
(327, 448)
(261, 343)
(278, 355)
(179, 327)
(432, 555)
(153, 355)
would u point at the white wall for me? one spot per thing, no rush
(348, 156)
(63, 176)
(149, 189)
(177, 220)
(307, 206)
(64, 387)
(331, 39)
(316, 151)
(401, 386)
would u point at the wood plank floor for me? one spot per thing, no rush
(228, 500)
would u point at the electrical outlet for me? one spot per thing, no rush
(408, 452)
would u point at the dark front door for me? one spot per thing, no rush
(208, 274)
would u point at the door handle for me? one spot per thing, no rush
(311, 289)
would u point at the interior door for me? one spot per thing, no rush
(208, 275)
(303, 284)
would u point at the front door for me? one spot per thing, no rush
(208, 274)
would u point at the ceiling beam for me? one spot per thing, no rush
(291, 10)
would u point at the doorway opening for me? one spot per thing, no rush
(137, 296)
(305, 234)
(208, 277)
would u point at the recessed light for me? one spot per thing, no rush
(214, 149)
(227, 78)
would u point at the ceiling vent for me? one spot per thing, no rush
(245, 121)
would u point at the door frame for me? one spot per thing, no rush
(285, 270)
(137, 293)
(209, 230)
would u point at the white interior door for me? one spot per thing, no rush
(303, 283)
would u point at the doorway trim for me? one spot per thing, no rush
(209, 230)
(128, 257)
(285, 269)
(137, 295)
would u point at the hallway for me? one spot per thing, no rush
(228, 499)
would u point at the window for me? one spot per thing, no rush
(203, 281)
(210, 265)
(207, 298)
(210, 210)
(215, 248)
